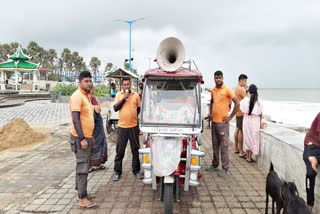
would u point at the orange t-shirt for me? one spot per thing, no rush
(221, 100)
(79, 101)
(240, 94)
(128, 116)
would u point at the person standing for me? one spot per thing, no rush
(252, 110)
(141, 90)
(113, 90)
(311, 157)
(128, 104)
(81, 136)
(99, 153)
(221, 96)
(240, 92)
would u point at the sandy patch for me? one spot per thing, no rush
(18, 133)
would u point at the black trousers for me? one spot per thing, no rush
(310, 150)
(125, 134)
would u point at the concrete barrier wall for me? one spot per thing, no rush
(284, 147)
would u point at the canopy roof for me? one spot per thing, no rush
(19, 55)
(122, 73)
(18, 62)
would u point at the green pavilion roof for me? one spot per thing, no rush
(18, 62)
(18, 65)
(19, 55)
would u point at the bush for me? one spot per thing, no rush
(54, 77)
(65, 90)
(101, 91)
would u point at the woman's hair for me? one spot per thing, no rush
(253, 91)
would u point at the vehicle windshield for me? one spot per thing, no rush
(171, 102)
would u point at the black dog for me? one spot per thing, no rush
(273, 188)
(293, 203)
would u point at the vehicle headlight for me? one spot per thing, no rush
(147, 173)
(194, 160)
(193, 176)
(146, 158)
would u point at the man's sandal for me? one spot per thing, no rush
(91, 205)
(89, 197)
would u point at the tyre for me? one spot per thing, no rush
(168, 198)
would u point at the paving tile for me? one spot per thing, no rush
(241, 192)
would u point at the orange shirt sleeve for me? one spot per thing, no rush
(75, 103)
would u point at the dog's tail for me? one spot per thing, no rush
(271, 167)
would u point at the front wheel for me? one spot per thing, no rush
(168, 198)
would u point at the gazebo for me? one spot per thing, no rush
(122, 73)
(18, 63)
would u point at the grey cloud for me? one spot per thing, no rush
(272, 41)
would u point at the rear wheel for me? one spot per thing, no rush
(168, 198)
(108, 125)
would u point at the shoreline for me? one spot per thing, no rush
(294, 115)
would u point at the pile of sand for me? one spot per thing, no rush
(18, 133)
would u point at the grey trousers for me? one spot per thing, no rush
(220, 143)
(82, 164)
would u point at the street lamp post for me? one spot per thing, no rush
(130, 22)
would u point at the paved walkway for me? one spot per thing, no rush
(40, 179)
(37, 113)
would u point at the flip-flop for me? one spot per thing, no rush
(101, 167)
(251, 161)
(92, 169)
(89, 206)
(243, 156)
(89, 197)
(236, 152)
(97, 168)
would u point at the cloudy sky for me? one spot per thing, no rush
(275, 42)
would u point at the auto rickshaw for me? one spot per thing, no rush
(172, 125)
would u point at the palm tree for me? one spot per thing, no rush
(108, 67)
(4, 51)
(60, 66)
(7, 49)
(13, 47)
(94, 64)
(67, 59)
(77, 62)
(35, 51)
(52, 57)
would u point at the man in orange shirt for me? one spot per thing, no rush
(241, 92)
(81, 136)
(221, 97)
(128, 104)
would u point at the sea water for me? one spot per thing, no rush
(290, 107)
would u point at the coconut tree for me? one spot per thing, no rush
(52, 57)
(108, 67)
(77, 62)
(7, 49)
(94, 64)
(4, 51)
(35, 51)
(66, 56)
(60, 66)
